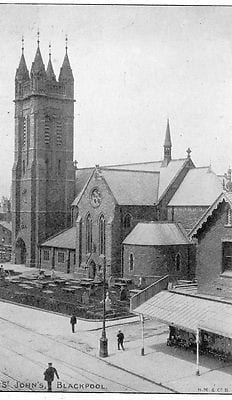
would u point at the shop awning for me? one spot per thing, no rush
(189, 312)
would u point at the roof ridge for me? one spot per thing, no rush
(157, 222)
(128, 170)
(133, 163)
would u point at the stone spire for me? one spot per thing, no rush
(38, 65)
(22, 73)
(50, 72)
(167, 147)
(66, 71)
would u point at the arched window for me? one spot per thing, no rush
(178, 262)
(24, 167)
(47, 130)
(228, 217)
(59, 133)
(102, 234)
(59, 167)
(127, 221)
(131, 262)
(88, 234)
(47, 166)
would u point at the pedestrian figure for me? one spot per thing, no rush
(73, 321)
(120, 337)
(49, 376)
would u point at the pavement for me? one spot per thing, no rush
(161, 369)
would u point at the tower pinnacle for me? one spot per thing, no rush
(22, 71)
(50, 71)
(167, 146)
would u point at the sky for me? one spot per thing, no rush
(134, 67)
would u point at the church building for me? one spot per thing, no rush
(43, 175)
(75, 220)
(110, 201)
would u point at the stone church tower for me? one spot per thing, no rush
(43, 175)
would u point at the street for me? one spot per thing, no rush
(31, 338)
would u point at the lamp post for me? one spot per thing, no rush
(142, 330)
(103, 340)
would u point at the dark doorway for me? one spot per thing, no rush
(20, 252)
(92, 270)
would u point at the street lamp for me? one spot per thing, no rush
(103, 340)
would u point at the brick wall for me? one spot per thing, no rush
(159, 261)
(209, 255)
(53, 262)
(187, 216)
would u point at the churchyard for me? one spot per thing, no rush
(67, 296)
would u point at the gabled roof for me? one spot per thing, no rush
(132, 180)
(132, 187)
(224, 196)
(127, 187)
(169, 173)
(64, 240)
(83, 176)
(6, 225)
(200, 187)
(157, 234)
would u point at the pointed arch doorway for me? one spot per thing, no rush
(92, 269)
(20, 252)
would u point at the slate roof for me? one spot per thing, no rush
(82, 176)
(143, 166)
(64, 240)
(157, 234)
(200, 187)
(128, 180)
(167, 174)
(6, 225)
(132, 187)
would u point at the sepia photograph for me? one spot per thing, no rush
(115, 199)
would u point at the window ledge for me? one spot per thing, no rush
(228, 226)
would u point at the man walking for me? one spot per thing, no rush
(73, 321)
(49, 376)
(120, 337)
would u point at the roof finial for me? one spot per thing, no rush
(22, 45)
(66, 43)
(50, 50)
(38, 37)
(189, 151)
